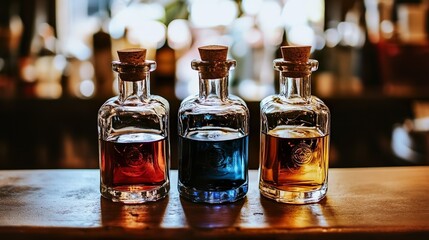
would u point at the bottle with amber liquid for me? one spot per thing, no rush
(134, 151)
(213, 132)
(295, 127)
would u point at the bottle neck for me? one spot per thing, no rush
(295, 79)
(295, 89)
(134, 80)
(213, 77)
(129, 90)
(216, 88)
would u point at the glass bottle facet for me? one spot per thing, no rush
(213, 136)
(134, 151)
(295, 127)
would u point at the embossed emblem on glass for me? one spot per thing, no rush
(213, 129)
(295, 130)
(302, 154)
(133, 135)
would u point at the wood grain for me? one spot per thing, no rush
(370, 203)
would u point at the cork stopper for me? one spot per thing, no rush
(215, 58)
(297, 58)
(296, 53)
(213, 53)
(132, 55)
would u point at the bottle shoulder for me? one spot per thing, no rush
(154, 105)
(193, 104)
(277, 103)
(237, 99)
(280, 114)
(160, 99)
(109, 104)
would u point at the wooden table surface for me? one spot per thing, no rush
(362, 203)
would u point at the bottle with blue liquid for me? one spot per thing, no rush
(213, 134)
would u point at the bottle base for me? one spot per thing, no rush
(212, 197)
(135, 194)
(293, 197)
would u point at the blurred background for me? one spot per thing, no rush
(55, 70)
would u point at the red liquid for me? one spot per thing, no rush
(131, 162)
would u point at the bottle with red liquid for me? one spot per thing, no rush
(134, 151)
(295, 129)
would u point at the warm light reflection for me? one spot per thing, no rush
(254, 37)
(301, 35)
(86, 84)
(51, 90)
(253, 29)
(294, 13)
(402, 145)
(332, 37)
(351, 33)
(47, 73)
(87, 88)
(301, 18)
(387, 29)
(187, 79)
(78, 49)
(412, 22)
(150, 34)
(60, 62)
(251, 90)
(28, 71)
(269, 15)
(134, 19)
(269, 21)
(296, 216)
(116, 28)
(142, 216)
(179, 34)
(409, 139)
(86, 70)
(251, 7)
(379, 18)
(212, 13)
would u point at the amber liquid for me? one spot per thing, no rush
(133, 161)
(294, 159)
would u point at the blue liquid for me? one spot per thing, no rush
(213, 167)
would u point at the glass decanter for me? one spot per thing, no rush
(213, 134)
(295, 127)
(134, 150)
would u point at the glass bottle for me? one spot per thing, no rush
(213, 134)
(295, 129)
(134, 151)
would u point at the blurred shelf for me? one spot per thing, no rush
(62, 133)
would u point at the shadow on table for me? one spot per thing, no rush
(148, 215)
(280, 215)
(199, 215)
